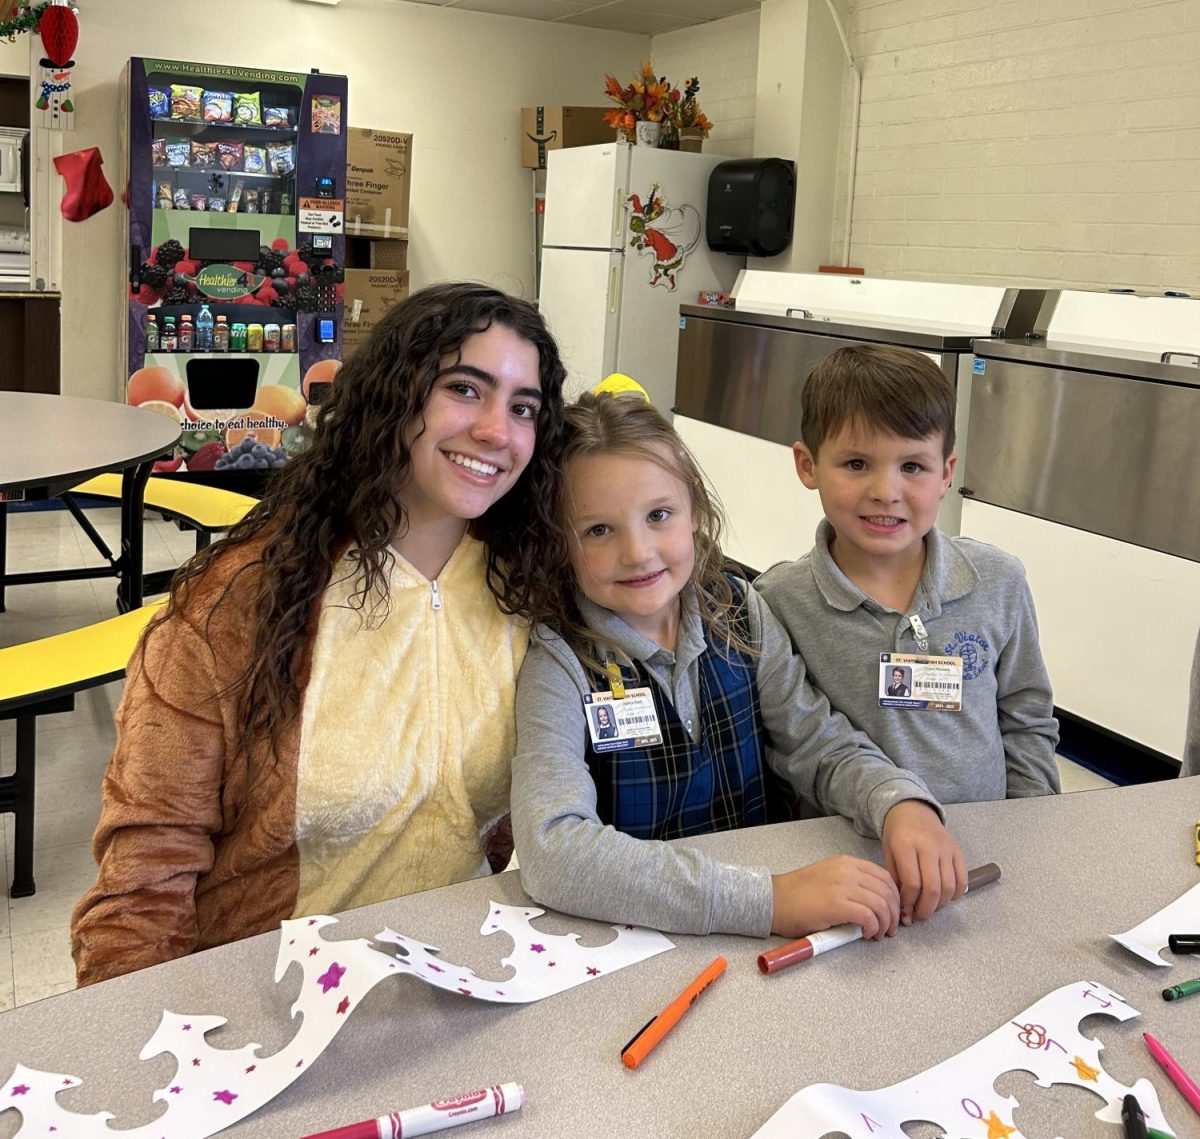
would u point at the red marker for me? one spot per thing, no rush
(437, 1116)
(817, 943)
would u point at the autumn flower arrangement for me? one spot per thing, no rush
(646, 99)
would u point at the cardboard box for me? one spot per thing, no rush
(381, 253)
(555, 128)
(369, 294)
(378, 177)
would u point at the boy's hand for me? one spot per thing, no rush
(923, 858)
(833, 891)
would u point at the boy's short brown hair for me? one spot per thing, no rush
(877, 387)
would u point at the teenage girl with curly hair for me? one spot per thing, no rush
(322, 716)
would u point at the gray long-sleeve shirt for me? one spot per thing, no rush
(573, 862)
(975, 603)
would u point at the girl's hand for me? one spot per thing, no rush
(923, 858)
(832, 892)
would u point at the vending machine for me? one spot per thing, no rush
(235, 185)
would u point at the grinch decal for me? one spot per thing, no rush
(667, 234)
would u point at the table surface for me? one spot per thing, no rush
(52, 442)
(1075, 868)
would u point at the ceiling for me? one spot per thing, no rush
(648, 17)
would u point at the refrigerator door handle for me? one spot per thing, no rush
(618, 206)
(614, 282)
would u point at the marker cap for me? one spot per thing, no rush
(1184, 942)
(775, 959)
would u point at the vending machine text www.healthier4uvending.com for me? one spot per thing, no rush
(236, 250)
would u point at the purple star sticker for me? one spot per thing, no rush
(20, 1089)
(332, 977)
(537, 947)
(224, 1096)
(187, 1028)
(176, 1090)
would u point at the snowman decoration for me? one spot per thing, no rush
(59, 30)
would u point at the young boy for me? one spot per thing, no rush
(884, 590)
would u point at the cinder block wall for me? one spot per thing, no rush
(724, 54)
(1038, 140)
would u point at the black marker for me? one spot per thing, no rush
(1132, 1118)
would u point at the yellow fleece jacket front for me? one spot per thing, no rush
(428, 694)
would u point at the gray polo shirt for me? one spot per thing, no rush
(975, 603)
(573, 862)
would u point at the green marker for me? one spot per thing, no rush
(1154, 1133)
(1185, 989)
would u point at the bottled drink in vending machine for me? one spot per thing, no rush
(221, 335)
(187, 333)
(204, 330)
(168, 342)
(152, 333)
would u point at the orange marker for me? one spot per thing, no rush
(657, 1027)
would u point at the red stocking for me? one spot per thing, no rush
(87, 190)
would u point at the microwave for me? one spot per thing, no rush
(11, 139)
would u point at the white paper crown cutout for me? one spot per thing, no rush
(958, 1095)
(214, 1088)
(1149, 939)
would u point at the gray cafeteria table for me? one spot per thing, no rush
(1075, 868)
(50, 443)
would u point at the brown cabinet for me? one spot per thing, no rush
(29, 342)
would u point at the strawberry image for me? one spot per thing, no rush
(205, 459)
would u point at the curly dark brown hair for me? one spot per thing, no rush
(602, 423)
(341, 495)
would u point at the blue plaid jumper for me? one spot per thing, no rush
(680, 788)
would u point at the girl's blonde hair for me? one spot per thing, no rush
(626, 424)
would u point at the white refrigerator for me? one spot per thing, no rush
(622, 248)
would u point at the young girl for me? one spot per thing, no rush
(643, 619)
(293, 736)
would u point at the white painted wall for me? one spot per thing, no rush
(724, 55)
(14, 56)
(456, 79)
(1022, 140)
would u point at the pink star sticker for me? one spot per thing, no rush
(435, 968)
(21, 1089)
(551, 964)
(68, 1082)
(196, 1062)
(313, 951)
(343, 1004)
(592, 972)
(251, 1069)
(224, 1096)
(176, 1090)
(299, 1062)
(537, 947)
(332, 977)
(312, 921)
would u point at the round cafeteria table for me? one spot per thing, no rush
(50, 443)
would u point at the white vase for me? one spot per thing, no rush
(648, 132)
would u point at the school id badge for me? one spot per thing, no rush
(920, 682)
(617, 723)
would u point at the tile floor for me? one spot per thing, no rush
(73, 748)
